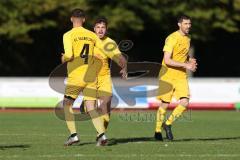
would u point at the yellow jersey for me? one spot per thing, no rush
(178, 45)
(114, 53)
(79, 43)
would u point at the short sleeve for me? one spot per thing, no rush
(169, 44)
(110, 49)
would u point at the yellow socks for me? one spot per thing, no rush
(106, 119)
(69, 118)
(97, 121)
(160, 118)
(98, 124)
(177, 112)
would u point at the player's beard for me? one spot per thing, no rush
(185, 31)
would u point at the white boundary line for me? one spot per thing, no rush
(121, 155)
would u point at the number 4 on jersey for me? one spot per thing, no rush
(84, 53)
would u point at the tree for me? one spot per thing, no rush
(18, 18)
(24, 22)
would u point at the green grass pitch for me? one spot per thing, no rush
(208, 135)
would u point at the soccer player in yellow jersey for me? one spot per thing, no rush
(104, 82)
(79, 44)
(176, 61)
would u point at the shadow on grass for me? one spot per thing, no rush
(14, 146)
(206, 139)
(85, 143)
(151, 139)
(115, 141)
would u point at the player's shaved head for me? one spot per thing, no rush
(77, 17)
(78, 13)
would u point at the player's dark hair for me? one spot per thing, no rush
(182, 17)
(78, 13)
(101, 20)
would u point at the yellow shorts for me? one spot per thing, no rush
(104, 85)
(169, 88)
(76, 85)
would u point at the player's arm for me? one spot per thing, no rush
(122, 62)
(170, 62)
(124, 73)
(116, 55)
(67, 43)
(168, 50)
(111, 51)
(118, 58)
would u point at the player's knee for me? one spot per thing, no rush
(90, 105)
(163, 104)
(105, 99)
(184, 101)
(68, 100)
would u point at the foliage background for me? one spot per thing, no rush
(31, 31)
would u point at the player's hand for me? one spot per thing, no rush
(192, 60)
(124, 73)
(192, 66)
(63, 60)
